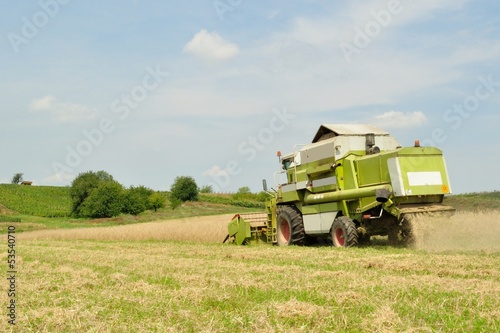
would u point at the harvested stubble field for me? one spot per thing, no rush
(175, 276)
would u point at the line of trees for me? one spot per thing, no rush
(97, 194)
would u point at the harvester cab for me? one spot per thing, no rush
(353, 182)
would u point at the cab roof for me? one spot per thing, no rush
(327, 131)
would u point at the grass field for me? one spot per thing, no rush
(127, 274)
(474, 201)
(150, 286)
(176, 276)
(44, 201)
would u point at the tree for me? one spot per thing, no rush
(106, 200)
(17, 178)
(133, 203)
(184, 189)
(83, 185)
(244, 190)
(207, 189)
(136, 200)
(156, 201)
(244, 193)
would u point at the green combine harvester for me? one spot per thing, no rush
(352, 182)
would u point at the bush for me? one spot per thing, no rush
(174, 202)
(106, 200)
(136, 200)
(184, 189)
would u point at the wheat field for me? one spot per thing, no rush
(461, 232)
(196, 229)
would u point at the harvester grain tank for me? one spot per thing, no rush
(352, 182)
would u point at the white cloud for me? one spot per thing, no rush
(44, 103)
(397, 119)
(216, 171)
(62, 112)
(211, 46)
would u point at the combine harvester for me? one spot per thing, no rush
(352, 182)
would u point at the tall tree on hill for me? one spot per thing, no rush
(17, 178)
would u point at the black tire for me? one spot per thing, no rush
(344, 233)
(290, 227)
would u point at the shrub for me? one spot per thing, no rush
(174, 202)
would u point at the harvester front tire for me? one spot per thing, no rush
(290, 227)
(344, 233)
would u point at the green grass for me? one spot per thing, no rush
(230, 200)
(150, 286)
(474, 201)
(44, 201)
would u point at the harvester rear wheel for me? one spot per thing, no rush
(344, 232)
(290, 227)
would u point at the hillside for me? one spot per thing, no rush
(43, 201)
(48, 207)
(41, 207)
(474, 201)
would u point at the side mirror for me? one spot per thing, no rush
(264, 185)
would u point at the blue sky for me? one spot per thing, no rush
(151, 90)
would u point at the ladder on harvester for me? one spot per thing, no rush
(271, 221)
